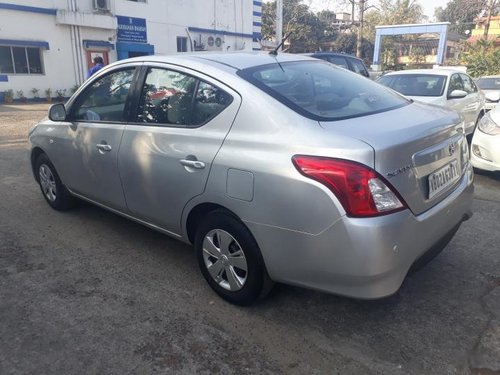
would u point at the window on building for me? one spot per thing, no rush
(20, 60)
(182, 44)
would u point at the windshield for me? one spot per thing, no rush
(415, 84)
(489, 83)
(322, 91)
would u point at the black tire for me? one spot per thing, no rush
(257, 282)
(59, 198)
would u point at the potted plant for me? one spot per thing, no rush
(48, 95)
(35, 92)
(74, 89)
(61, 93)
(20, 95)
(9, 96)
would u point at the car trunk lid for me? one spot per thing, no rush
(420, 150)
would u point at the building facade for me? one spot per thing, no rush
(50, 44)
(493, 30)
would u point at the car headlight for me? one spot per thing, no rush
(488, 126)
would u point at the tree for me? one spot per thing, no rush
(481, 58)
(307, 29)
(460, 13)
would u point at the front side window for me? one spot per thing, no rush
(173, 98)
(322, 91)
(20, 60)
(415, 84)
(455, 83)
(104, 100)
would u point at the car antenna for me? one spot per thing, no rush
(274, 52)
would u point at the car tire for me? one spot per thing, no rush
(53, 190)
(230, 259)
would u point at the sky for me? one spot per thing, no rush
(333, 5)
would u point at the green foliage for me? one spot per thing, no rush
(9, 94)
(307, 30)
(347, 43)
(48, 93)
(392, 12)
(20, 94)
(61, 93)
(481, 58)
(460, 13)
(35, 92)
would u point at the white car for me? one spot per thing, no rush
(444, 87)
(486, 142)
(490, 86)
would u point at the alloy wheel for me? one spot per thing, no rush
(225, 260)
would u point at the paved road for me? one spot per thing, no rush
(90, 292)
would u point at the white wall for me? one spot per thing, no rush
(65, 62)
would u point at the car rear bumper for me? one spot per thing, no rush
(485, 151)
(363, 258)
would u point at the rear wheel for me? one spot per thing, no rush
(54, 192)
(230, 259)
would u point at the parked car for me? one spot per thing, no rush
(277, 168)
(486, 142)
(343, 60)
(447, 88)
(490, 85)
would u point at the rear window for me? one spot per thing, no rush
(415, 84)
(321, 91)
(489, 83)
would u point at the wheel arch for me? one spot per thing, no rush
(35, 153)
(198, 212)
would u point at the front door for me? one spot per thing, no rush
(166, 155)
(97, 121)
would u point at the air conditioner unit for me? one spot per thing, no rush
(102, 5)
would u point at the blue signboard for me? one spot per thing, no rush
(132, 29)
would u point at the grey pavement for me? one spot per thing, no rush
(87, 291)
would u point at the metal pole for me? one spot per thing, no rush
(488, 20)
(360, 28)
(279, 21)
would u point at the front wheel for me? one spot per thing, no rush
(54, 192)
(230, 259)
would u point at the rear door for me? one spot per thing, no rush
(166, 153)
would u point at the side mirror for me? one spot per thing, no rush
(57, 112)
(457, 94)
(493, 96)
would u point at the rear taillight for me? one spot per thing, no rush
(361, 191)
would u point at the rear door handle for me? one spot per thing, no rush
(196, 164)
(103, 147)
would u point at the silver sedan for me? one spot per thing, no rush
(277, 168)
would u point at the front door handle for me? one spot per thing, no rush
(103, 147)
(196, 164)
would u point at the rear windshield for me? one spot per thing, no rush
(489, 83)
(415, 84)
(322, 91)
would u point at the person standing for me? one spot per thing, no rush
(98, 65)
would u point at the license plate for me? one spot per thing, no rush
(443, 178)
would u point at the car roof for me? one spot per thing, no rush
(437, 72)
(328, 53)
(235, 60)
